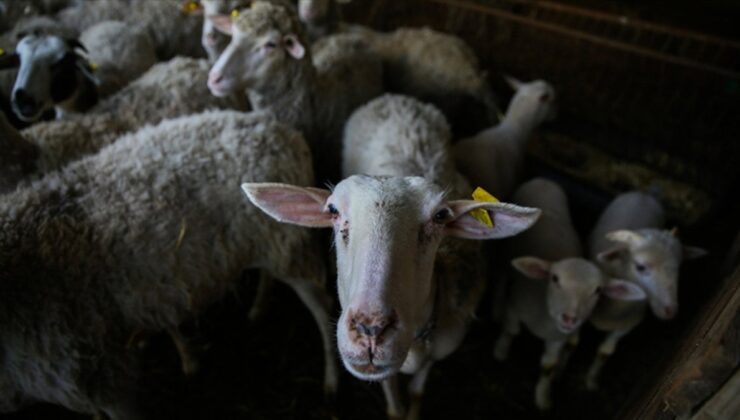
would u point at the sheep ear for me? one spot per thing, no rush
(623, 290)
(628, 237)
(532, 267)
(302, 206)
(9, 61)
(294, 46)
(691, 252)
(513, 82)
(611, 254)
(222, 23)
(508, 219)
(75, 43)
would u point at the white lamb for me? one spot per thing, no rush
(141, 236)
(494, 158)
(267, 57)
(628, 242)
(407, 295)
(559, 288)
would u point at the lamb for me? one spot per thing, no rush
(406, 295)
(559, 288)
(167, 90)
(267, 58)
(628, 242)
(120, 52)
(173, 31)
(494, 158)
(433, 66)
(139, 237)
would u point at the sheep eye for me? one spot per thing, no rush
(554, 278)
(270, 45)
(333, 210)
(442, 216)
(640, 268)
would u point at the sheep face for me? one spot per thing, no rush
(262, 47)
(651, 258)
(387, 231)
(574, 287)
(533, 101)
(51, 72)
(214, 41)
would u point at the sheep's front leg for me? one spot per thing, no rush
(503, 344)
(187, 360)
(261, 297)
(394, 406)
(549, 364)
(606, 349)
(319, 303)
(416, 390)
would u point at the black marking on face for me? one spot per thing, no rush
(345, 232)
(64, 77)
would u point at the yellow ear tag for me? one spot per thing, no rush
(235, 13)
(482, 215)
(92, 66)
(2, 51)
(191, 6)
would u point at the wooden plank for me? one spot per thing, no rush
(725, 404)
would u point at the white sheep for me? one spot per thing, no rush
(173, 31)
(559, 288)
(628, 242)
(494, 158)
(430, 65)
(406, 294)
(141, 236)
(267, 57)
(119, 51)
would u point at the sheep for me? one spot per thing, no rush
(559, 288)
(406, 295)
(267, 58)
(173, 31)
(628, 242)
(433, 66)
(167, 90)
(494, 158)
(53, 72)
(139, 237)
(120, 52)
(213, 41)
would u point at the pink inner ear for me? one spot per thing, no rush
(610, 254)
(623, 290)
(222, 23)
(294, 47)
(532, 267)
(291, 204)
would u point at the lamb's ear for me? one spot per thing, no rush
(303, 206)
(508, 219)
(623, 290)
(532, 267)
(9, 61)
(611, 254)
(625, 236)
(294, 46)
(691, 252)
(222, 23)
(513, 82)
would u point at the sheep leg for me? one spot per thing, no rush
(187, 360)
(549, 363)
(503, 344)
(416, 390)
(319, 303)
(394, 406)
(606, 349)
(261, 298)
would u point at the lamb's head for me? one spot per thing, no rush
(266, 48)
(651, 258)
(533, 102)
(387, 231)
(52, 71)
(574, 287)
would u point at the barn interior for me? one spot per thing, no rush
(648, 99)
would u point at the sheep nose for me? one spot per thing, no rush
(25, 103)
(215, 77)
(567, 319)
(372, 327)
(210, 39)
